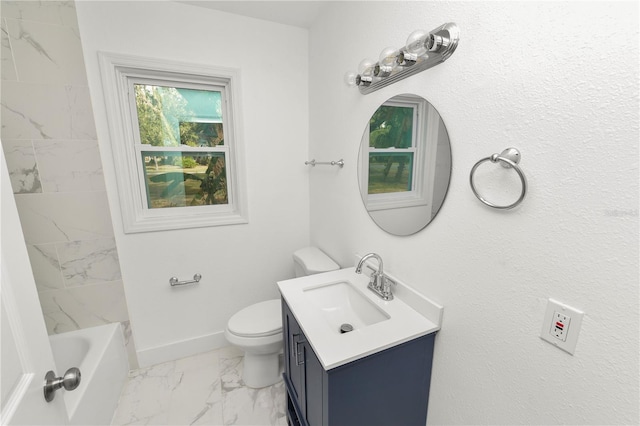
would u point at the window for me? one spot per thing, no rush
(398, 155)
(175, 142)
(181, 145)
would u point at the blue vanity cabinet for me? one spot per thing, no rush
(390, 387)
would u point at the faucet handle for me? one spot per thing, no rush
(386, 286)
(388, 281)
(373, 279)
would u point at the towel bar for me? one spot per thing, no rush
(314, 163)
(174, 280)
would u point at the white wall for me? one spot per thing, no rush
(240, 264)
(559, 81)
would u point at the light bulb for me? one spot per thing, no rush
(415, 42)
(366, 67)
(386, 63)
(388, 57)
(365, 72)
(350, 79)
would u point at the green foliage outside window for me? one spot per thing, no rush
(390, 127)
(174, 179)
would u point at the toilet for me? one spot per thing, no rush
(257, 329)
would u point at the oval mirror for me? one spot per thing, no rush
(404, 164)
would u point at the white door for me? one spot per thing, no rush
(25, 350)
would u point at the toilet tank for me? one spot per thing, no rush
(312, 260)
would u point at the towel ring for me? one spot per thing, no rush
(510, 157)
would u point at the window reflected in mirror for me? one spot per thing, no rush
(404, 165)
(392, 144)
(391, 172)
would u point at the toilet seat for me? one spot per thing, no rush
(258, 320)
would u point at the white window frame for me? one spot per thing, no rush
(119, 74)
(423, 150)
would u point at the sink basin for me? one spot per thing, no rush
(321, 303)
(340, 303)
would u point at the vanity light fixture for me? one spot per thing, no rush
(422, 51)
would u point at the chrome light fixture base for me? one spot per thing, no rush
(440, 45)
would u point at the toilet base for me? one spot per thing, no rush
(261, 370)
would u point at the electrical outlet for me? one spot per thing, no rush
(561, 325)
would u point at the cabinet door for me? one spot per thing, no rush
(314, 377)
(294, 357)
(304, 371)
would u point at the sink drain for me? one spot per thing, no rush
(345, 328)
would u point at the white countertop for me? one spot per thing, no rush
(334, 349)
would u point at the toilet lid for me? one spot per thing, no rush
(261, 319)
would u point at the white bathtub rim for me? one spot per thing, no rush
(102, 338)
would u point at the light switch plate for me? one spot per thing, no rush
(561, 325)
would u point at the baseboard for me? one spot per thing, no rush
(181, 349)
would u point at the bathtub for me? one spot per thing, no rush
(100, 354)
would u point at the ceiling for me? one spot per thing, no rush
(296, 13)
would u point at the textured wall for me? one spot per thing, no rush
(559, 81)
(50, 143)
(240, 264)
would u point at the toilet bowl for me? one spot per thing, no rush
(257, 329)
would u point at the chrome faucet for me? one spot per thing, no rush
(379, 283)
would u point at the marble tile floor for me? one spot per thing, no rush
(204, 389)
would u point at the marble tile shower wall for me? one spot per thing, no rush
(51, 148)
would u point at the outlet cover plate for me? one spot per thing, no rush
(573, 327)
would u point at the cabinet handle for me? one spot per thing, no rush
(298, 353)
(292, 346)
